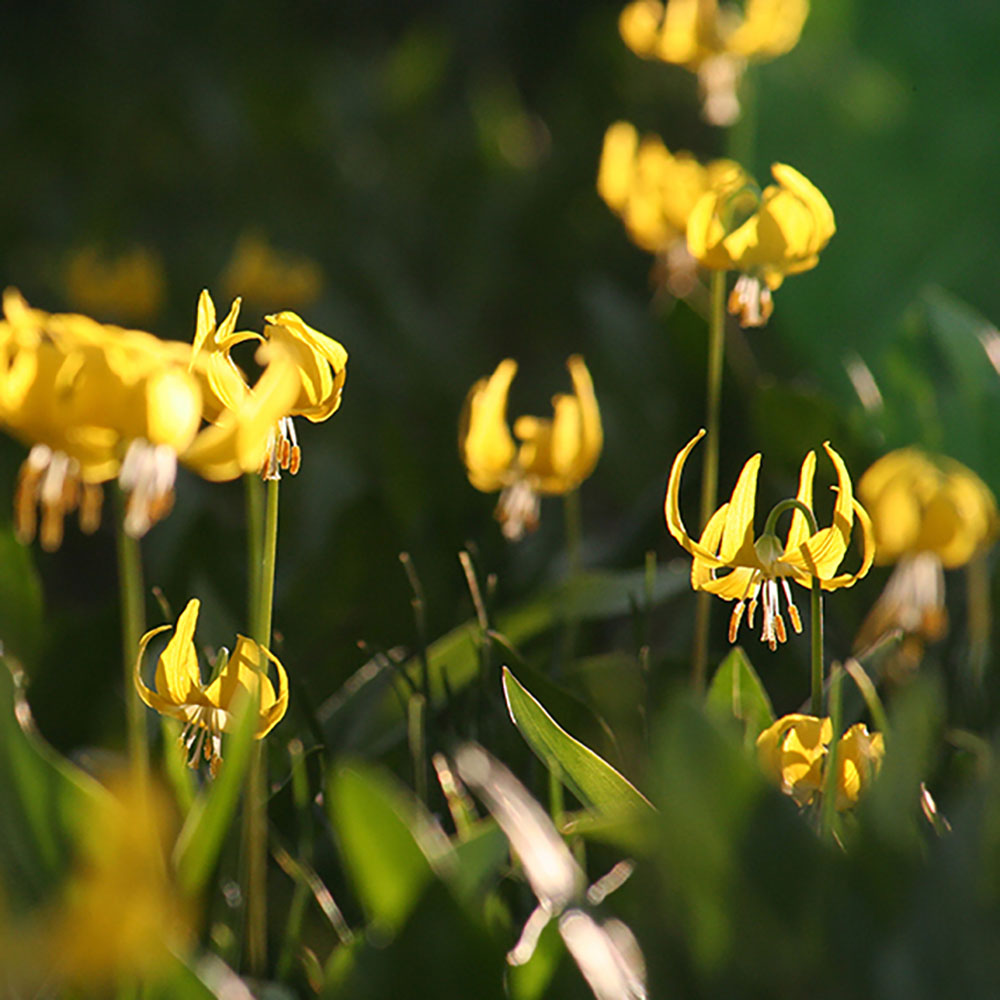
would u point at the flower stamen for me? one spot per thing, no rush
(751, 300)
(147, 475)
(283, 451)
(518, 510)
(50, 480)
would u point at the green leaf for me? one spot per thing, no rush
(20, 599)
(736, 692)
(591, 778)
(42, 798)
(208, 821)
(374, 822)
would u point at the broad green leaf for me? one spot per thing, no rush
(736, 692)
(374, 822)
(209, 819)
(591, 778)
(41, 800)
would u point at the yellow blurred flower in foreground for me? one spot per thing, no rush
(120, 915)
(764, 235)
(128, 287)
(756, 567)
(305, 376)
(715, 42)
(554, 456)
(93, 401)
(208, 710)
(653, 191)
(262, 274)
(929, 513)
(793, 753)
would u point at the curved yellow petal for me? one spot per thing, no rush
(150, 697)
(591, 430)
(279, 706)
(177, 673)
(672, 507)
(484, 439)
(733, 586)
(701, 573)
(737, 546)
(800, 529)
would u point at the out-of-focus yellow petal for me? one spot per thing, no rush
(859, 757)
(770, 28)
(485, 443)
(614, 175)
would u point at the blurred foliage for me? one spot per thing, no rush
(436, 162)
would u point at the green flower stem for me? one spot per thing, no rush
(133, 626)
(816, 615)
(254, 492)
(828, 809)
(710, 470)
(255, 816)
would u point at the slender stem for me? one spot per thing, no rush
(416, 734)
(133, 625)
(710, 470)
(816, 609)
(255, 536)
(828, 808)
(574, 531)
(255, 817)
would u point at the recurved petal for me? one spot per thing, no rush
(591, 430)
(204, 323)
(672, 507)
(812, 198)
(737, 548)
(867, 556)
(276, 712)
(177, 675)
(701, 573)
(484, 439)
(733, 586)
(799, 530)
(149, 696)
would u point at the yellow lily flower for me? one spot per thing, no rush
(793, 752)
(94, 401)
(756, 567)
(653, 190)
(129, 286)
(319, 366)
(207, 710)
(929, 513)
(714, 42)
(554, 456)
(263, 274)
(765, 235)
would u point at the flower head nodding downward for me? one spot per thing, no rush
(793, 752)
(715, 42)
(554, 456)
(929, 513)
(765, 235)
(208, 710)
(754, 567)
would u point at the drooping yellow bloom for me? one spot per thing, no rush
(763, 235)
(756, 566)
(128, 287)
(714, 42)
(793, 752)
(653, 190)
(94, 402)
(121, 914)
(262, 274)
(554, 455)
(208, 710)
(929, 513)
(307, 372)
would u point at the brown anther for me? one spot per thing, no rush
(734, 621)
(284, 452)
(793, 614)
(52, 527)
(91, 501)
(752, 611)
(295, 462)
(779, 628)
(772, 643)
